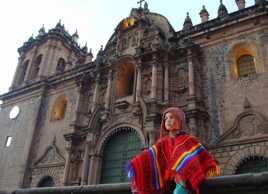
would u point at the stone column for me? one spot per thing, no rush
(95, 169)
(96, 93)
(77, 105)
(85, 168)
(166, 82)
(67, 163)
(138, 89)
(47, 64)
(28, 75)
(46, 58)
(191, 107)
(190, 74)
(108, 91)
(52, 60)
(154, 79)
(42, 67)
(135, 85)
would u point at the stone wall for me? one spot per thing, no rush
(231, 156)
(49, 128)
(50, 133)
(225, 94)
(13, 160)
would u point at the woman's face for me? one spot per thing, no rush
(169, 121)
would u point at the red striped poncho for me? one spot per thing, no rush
(179, 158)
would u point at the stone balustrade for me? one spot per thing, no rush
(233, 184)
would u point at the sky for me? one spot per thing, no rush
(95, 21)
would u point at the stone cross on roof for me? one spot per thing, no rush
(140, 2)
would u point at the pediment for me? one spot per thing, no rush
(247, 125)
(51, 156)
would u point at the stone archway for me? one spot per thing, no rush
(250, 151)
(253, 164)
(46, 181)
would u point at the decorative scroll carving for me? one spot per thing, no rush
(50, 163)
(248, 124)
(51, 156)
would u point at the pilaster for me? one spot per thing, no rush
(166, 81)
(154, 78)
(138, 85)
(85, 168)
(191, 100)
(96, 93)
(68, 146)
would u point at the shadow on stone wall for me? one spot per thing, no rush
(234, 184)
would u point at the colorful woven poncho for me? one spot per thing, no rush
(180, 158)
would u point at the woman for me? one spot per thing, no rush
(177, 162)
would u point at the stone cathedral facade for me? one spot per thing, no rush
(71, 120)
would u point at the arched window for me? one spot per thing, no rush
(244, 60)
(60, 65)
(23, 70)
(253, 164)
(36, 67)
(59, 108)
(246, 65)
(125, 80)
(46, 181)
(120, 147)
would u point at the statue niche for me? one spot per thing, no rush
(125, 80)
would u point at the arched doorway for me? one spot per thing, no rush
(252, 164)
(120, 147)
(46, 181)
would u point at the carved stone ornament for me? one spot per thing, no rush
(249, 124)
(122, 104)
(50, 157)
